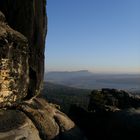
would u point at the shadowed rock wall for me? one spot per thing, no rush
(32, 15)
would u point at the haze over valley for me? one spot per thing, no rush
(87, 80)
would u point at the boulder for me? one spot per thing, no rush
(51, 122)
(15, 125)
(36, 119)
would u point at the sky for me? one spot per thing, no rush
(102, 36)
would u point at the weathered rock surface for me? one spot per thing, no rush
(51, 123)
(14, 67)
(29, 18)
(15, 125)
(37, 119)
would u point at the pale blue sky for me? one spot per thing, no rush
(96, 35)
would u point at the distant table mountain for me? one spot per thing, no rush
(87, 80)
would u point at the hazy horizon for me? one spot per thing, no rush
(97, 35)
(94, 72)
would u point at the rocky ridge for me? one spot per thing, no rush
(111, 114)
(112, 100)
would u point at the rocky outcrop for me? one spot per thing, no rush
(37, 119)
(112, 100)
(23, 115)
(29, 18)
(51, 123)
(112, 115)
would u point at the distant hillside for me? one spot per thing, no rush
(65, 96)
(87, 80)
(65, 75)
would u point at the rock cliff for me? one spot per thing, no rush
(29, 18)
(23, 115)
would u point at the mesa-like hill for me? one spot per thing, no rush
(87, 80)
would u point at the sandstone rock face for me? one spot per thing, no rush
(14, 68)
(29, 18)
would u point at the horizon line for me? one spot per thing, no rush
(93, 72)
